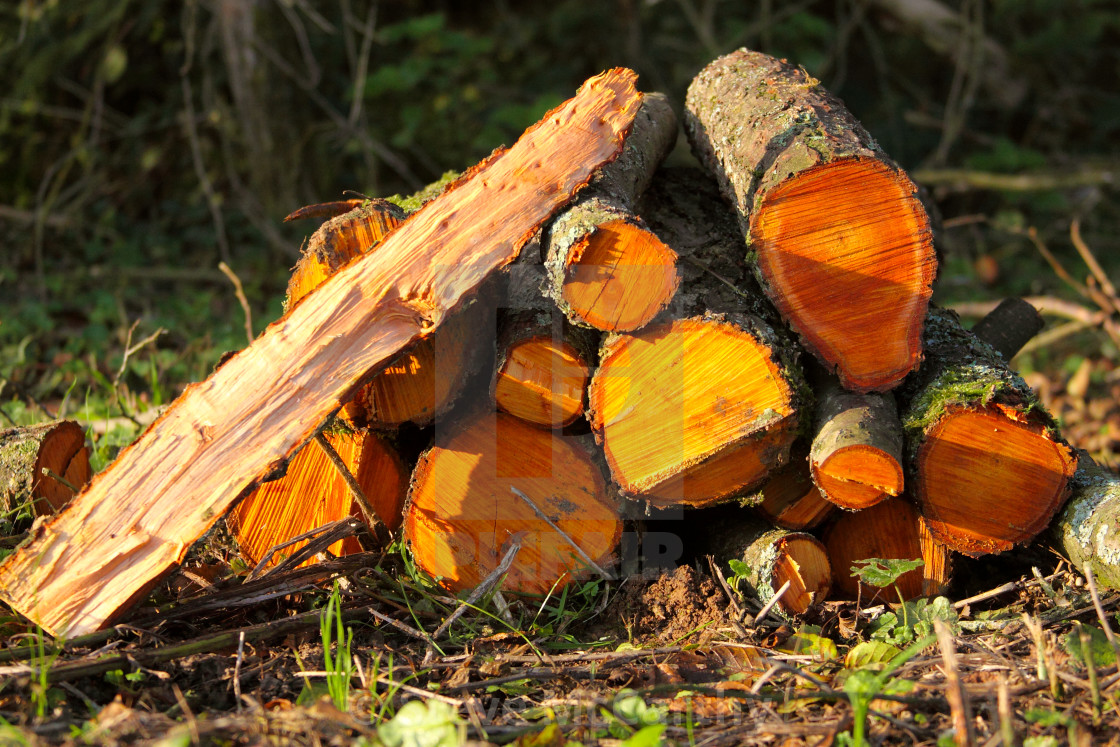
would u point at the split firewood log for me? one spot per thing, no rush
(41, 466)
(988, 466)
(493, 479)
(774, 556)
(698, 406)
(138, 517)
(856, 458)
(312, 493)
(1086, 530)
(606, 269)
(835, 230)
(891, 530)
(789, 498)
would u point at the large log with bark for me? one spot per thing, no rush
(492, 480)
(834, 228)
(138, 518)
(988, 466)
(698, 406)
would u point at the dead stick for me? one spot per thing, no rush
(479, 591)
(240, 293)
(958, 698)
(376, 525)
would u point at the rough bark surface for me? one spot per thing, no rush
(1087, 528)
(1009, 326)
(771, 133)
(138, 518)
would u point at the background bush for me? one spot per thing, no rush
(142, 142)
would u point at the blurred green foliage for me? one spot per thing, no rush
(144, 141)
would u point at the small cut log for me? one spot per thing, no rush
(606, 269)
(789, 498)
(856, 459)
(773, 557)
(837, 235)
(32, 461)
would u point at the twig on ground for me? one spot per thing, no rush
(770, 604)
(325, 536)
(958, 699)
(1002, 589)
(479, 591)
(1091, 582)
(237, 669)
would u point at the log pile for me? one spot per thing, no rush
(576, 333)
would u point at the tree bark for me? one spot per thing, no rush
(138, 518)
(1086, 528)
(988, 466)
(605, 268)
(835, 231)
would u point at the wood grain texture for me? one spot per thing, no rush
(138, 518)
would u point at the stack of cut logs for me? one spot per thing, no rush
(671, 340)
(640, 310)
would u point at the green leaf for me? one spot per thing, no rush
(421, 723)
(1045, 717)
(647, 736)
(630, 707)
(1099, 647)
(875, 654)
(883, 572)
(808, 642)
